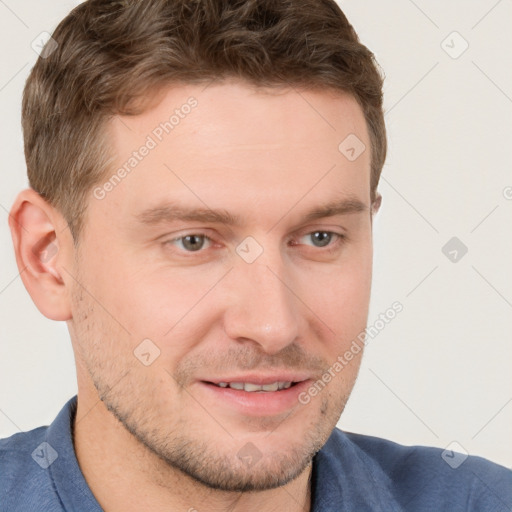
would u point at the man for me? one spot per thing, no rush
(203, 182)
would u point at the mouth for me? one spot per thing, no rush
(256, 397)
(251, 387)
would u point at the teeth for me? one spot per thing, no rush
(254, 387)
(248, 386)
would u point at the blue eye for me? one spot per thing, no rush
(321, 238)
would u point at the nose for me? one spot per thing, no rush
(262, 306)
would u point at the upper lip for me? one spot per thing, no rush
(260, 379)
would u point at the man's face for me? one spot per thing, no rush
(209, 250)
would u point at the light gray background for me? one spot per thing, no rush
(440, 371)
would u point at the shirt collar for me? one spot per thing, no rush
(66, 475)
(344, 479)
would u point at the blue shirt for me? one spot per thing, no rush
(354, 473)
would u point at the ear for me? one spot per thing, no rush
(375, 206)
(40, 235)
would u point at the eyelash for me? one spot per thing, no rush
(335, 243)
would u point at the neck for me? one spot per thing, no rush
(124, 475)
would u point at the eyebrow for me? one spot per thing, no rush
(334, 208)
(170, 212)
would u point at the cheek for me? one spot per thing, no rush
(340, 293)
(171, 307)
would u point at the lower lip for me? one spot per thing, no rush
(256, 403)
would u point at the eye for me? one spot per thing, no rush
(191, 243)
(320, 238)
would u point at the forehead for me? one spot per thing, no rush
(230, 144)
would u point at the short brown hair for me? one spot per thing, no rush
(111, 54)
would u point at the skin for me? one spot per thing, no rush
(150, 437)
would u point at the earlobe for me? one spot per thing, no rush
(38, 238)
